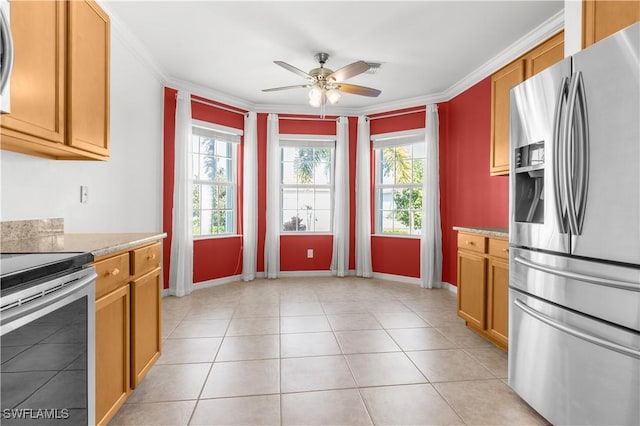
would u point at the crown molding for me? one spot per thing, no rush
(403, 103)
(209, 93)
(539, 34)
(133, 44)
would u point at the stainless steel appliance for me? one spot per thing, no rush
(6, 55)
(574, 317)
(47, 336)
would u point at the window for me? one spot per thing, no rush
(399, 175)
(306, 198)
(214, 171)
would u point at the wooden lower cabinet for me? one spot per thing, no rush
(498, 300)
(145, 324)
(472, 294)
(112, 352)
(128, 318)
(483, 286)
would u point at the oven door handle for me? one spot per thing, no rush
(34, 303)
(607, 282)
(575, 332)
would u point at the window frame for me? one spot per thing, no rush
(307, 141)
(392, 140)
(232, 137)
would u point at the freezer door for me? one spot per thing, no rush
(536, 207)
(572, 369)
(604, 291)
(610, 74)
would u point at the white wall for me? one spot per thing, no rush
(125, 193)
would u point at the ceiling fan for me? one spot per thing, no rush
(327, 84)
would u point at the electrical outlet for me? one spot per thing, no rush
(84, 194)
(309, 253)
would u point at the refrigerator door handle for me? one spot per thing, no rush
(577, 332)
(607, 282)
(582, 133)
(558, 164)
(568, 139)
(6, 48)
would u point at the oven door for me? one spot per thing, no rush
(48, 352)
(571, 368)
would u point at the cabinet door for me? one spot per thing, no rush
(38, 79)
(501, 82)
(88, 78)
(498, 298)
(546, 54)
(112, 353)
(145, 324)
(472, 288)
(601, 18)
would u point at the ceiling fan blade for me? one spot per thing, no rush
(292, 69)
(275, 89)
(358, 90)
(349, 71)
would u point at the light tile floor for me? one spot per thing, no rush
(322, 351)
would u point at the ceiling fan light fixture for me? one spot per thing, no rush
(316, 96)
(333, 95)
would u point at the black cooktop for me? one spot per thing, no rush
(19, 268)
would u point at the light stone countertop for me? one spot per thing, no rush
(483, 230)
(99, 244)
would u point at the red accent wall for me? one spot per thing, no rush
(469, 196)
(213, 257)
(167, 181)
(394, 255)
(293, 248)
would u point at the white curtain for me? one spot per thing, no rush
(272, 238)
(249, 198)
(431, 240)
(181, 267)
(340, 258)
(363, 199)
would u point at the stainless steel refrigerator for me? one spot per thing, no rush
(574, 285)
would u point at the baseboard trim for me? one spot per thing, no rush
(217, 282)
(324, 273)
(397, 278)
(452, 288)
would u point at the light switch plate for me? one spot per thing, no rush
(84, 194)
(309, 253)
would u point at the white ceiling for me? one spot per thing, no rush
(425, 47)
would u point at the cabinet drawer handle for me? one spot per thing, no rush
(506, 250)
(115, 272)
(471, 243)
(151, 256)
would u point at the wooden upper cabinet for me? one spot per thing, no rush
(88, 113)
(546, 54)
(501, 83)
(601, 18)
(60, 83)
(539, 58)
(38, 79)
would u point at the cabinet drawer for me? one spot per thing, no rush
(499, 248)
(472, 242)
(112, 273)
(145, 259)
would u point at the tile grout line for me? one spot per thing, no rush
(195, 407)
